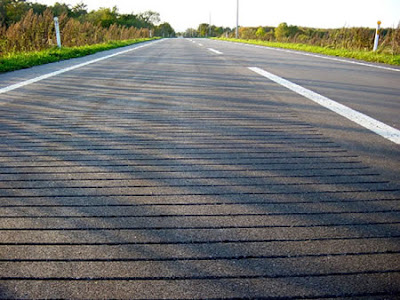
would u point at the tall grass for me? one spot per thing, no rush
(36, 32)
(357, 39)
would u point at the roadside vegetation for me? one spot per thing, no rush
(27, 32)
(22, 60)
(370, 56)
(344, 42)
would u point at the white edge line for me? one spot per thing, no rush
(215, 51)
(318, 56)
(376, 126)
(52, 74)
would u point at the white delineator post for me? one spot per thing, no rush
(376, 42)
(57, 25)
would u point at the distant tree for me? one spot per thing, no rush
(217, 31)
(12, 11)
(190, 32)
(3, 14)
(282, 31)
(260, 33)
(38, 8)
(248, 33)
(104, 16)
(227, 32)
(270, 35)
(164, 30)
(149, 18)
(59, 9)
(202, 30)
(294, 31)
(130, 20)
(79, 10)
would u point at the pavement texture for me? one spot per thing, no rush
(175, 172)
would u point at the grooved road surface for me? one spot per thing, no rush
(173, 171)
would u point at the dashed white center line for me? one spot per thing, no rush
(365, 121)
(215, 51)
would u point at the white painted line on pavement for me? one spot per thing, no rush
(376, 126)
(52, 74)
(201, 45)
(215, 51)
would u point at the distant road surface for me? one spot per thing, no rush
(193, 168)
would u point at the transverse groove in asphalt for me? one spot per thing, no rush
(170, 172)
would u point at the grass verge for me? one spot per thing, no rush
(23, 60)
(370, 56)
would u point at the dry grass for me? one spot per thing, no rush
(355, 39)
(36, 32)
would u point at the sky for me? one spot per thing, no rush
(183, 14)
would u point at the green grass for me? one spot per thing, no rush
(370, 56)
(22, 60)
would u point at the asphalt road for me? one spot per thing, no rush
(174, 171)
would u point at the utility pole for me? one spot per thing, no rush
(237, 19)
(209, 26)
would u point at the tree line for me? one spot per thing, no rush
(13, 11)
(356, 38)
(27, 26)
(207, 30)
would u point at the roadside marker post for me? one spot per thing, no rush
(378, 31)
(57, 26)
